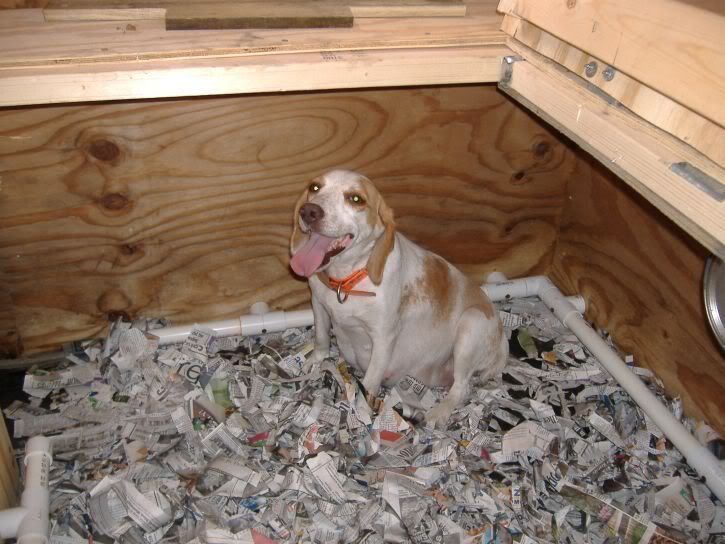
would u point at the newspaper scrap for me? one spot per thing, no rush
(229, 440)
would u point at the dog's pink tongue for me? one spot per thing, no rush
(309, 257)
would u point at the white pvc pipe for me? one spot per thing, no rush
(260, 321)
(698, 456)
(10, 521)
(499, 288)
(30, 523)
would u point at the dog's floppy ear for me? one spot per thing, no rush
(384, 245)
(298, 236)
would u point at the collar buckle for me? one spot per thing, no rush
(344, 287)
(340, 297)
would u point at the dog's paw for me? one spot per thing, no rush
(437, 417)
(371, 388)
(375, 403)
(315, 358)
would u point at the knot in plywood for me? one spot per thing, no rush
(115, 202)
(542, 149)
(104, 150)
(114, 303)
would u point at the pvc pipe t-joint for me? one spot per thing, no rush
(30, 523)
(500, 288)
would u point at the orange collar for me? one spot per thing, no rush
(346, 284)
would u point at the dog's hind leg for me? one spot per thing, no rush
(479, 345)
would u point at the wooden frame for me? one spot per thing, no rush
(253, 74)
(637, 152)
(76, 61)
(701, 133)
(673, 46)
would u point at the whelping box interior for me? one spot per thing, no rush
(182, 208)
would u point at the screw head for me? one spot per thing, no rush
(590, 68)
(608, 73)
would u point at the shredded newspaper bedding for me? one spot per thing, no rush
(228, 440)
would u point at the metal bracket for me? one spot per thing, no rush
(507, 69)
(701, 180)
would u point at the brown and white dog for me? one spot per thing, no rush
(395, 308)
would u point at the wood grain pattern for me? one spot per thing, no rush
(674, 47)
(218, 16)
(183, 208)
(26, 40)
(9, 474)
(663, 112)
(642, 278)
(120, 10)
(253, 74)
(9, 340)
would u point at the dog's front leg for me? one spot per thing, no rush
(379, 359)
(322, 333)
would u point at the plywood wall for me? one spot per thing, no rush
(642, 277)
(183, 208)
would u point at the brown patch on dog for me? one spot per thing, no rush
(434, 286)
(477, 299)
(437, 285)
(378, 213)
(411, 295)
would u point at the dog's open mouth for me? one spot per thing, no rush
(317, 252)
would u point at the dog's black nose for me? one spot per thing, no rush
(311, 213)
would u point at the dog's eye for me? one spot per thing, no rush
(356, 199)
(314, 187)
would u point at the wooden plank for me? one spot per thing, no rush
(115, 10)
(26, 40)
(253, 74)
(638, 152)
(407, 8)
(641, 277)
(663, 112)
(9, 474)
(52, 14)
(216, 16)
(184, 208)
(10, 345)
(674, 47)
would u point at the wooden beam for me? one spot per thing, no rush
(407, 8)
(9, 474)
(10, 342)
(118, 10)
(674, 47)
(636, 151)
(254, 74)
(663, 112)
(53, 15)
(26, 40)
(225, 15)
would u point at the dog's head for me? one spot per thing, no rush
(341, 212)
